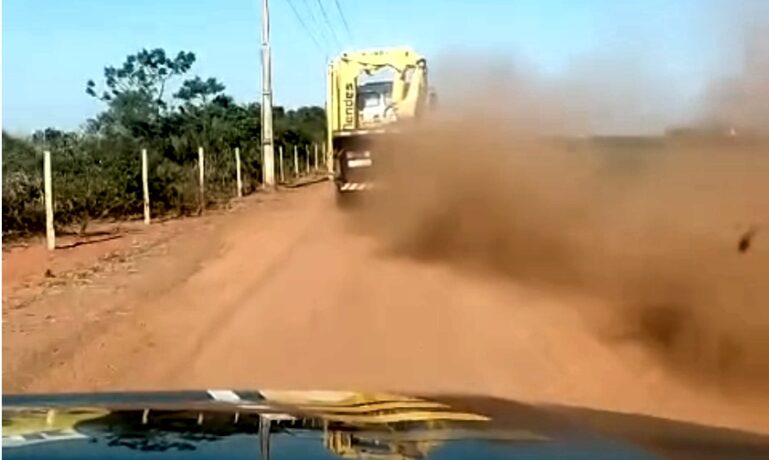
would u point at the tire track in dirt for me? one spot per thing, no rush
(290, 295)
(182, 312)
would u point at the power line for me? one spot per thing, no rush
(321, 32)
(304, 26)
(328, 24)
(344, 20)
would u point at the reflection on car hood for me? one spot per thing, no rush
(327, 425)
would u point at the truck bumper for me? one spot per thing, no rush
(346, 187)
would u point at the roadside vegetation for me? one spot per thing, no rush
(153, 102)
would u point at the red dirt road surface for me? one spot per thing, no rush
(284, 292)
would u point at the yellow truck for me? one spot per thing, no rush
(371, 93)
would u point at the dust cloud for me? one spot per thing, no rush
(668, 235)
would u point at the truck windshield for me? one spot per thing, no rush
(369, 100)
(372, 94)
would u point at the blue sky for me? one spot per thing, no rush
(51, 47)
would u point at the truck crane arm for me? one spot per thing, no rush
(408, 86)
(360, 115)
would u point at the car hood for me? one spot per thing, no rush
(327, 425)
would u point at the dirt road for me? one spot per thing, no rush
(285, 292)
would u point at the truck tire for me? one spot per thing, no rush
(344, 200)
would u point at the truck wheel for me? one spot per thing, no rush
(343, 200)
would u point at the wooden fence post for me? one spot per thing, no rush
(201, 178)
(281, 165)
(296, 162)
(50, 236)
(316, 155)
(145, 188)
(237, 172)
(307, 153)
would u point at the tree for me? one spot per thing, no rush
(197, 91)
(146, 73)
(135, 91)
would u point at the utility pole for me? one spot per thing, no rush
(268, 154)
